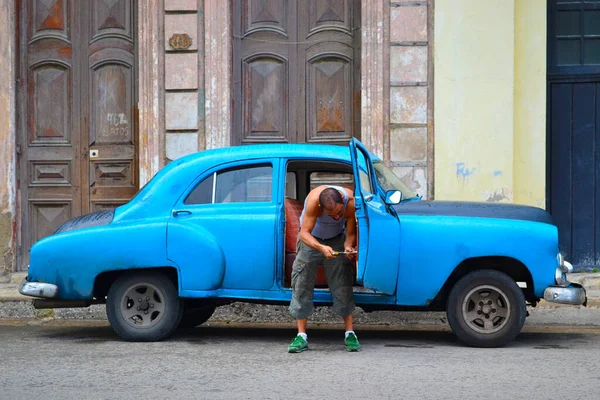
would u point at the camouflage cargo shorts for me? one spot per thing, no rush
(339, 274)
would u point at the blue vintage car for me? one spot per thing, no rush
(219, 226)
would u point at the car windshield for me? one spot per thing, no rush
(389, 181)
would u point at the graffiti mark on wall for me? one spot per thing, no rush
(116, 125)
(463, 173)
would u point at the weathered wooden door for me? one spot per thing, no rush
(296, 71)
(76, 115)
(574, 128)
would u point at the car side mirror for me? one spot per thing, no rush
(393, 197)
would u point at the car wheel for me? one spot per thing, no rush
(143, 307)
(486, 308)
(196, 316)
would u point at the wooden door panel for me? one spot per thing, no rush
(47, 216)
(111, 105)
(77, 91)
(327, 100)
(330, 60)
(296, 71)
(265, 85)
(53, 173)
(264, 71)
(329, 15)
(329, 87)
(50, 19)
(112, 18)
(48, 120)
(103, 205)
(264, 15)
(111, 94)
(112, 174)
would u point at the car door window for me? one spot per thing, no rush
(365, 176)
(235, 185)
(202, 193)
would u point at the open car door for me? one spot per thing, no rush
(378, 230)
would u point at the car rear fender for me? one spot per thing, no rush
(200, 258)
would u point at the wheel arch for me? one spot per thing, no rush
(103, 281)
(512, 267)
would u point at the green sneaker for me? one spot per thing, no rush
(298, 345)
(351, 343)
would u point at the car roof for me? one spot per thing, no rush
(167, 185)
(339, 152)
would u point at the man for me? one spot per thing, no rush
(327, 226)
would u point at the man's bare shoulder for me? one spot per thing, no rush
(312, 201)
(350, 193)
(313, 195)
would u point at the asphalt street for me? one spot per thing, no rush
(86, 360)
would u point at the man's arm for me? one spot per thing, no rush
(350, 243)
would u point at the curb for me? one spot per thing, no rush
(590, 281)
(543, 313)
(13, 305)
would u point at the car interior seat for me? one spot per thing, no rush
(293, 211)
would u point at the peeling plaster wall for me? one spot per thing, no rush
(217, 61)
(411, 94)
(7, 140)
(474, 101)
(150, 89)
(184, 80)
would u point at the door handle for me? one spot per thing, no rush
(177, 212)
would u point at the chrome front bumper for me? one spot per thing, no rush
(38, 289)
(574, 294)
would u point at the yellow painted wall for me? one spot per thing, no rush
(489, 57)
(530, 103)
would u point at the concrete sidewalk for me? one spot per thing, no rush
(14, 305)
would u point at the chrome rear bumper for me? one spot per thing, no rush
(38, 289)
(574, 294)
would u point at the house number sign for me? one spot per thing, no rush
(180, 41)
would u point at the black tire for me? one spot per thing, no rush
(193, 317)
(486, 321)
(144, 307)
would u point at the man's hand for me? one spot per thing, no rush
(349, 249)
(328, 252)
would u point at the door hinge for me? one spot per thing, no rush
(19, 149)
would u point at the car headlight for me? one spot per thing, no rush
(563, 264)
